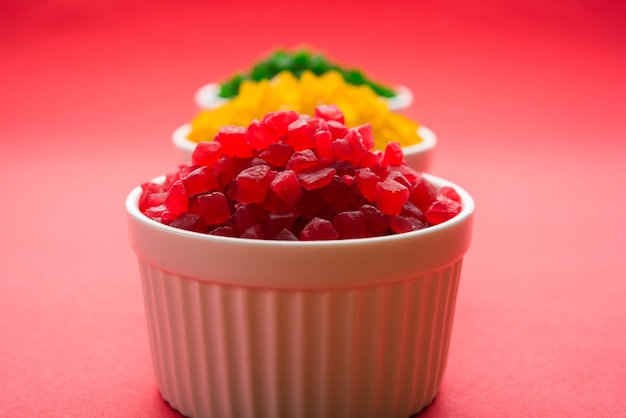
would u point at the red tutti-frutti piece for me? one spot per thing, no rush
(350, 148)
(409, 210)
(329, 112)
(176, 199)
(377, 222)
(276, 222)
(155, 212)
(300, 135)
(315, 123)
(423, 194)
(206, 153)
(323, 144)
(285, 235)
(350, 224)
(441, 210)
(151, 197)
(223, 170)
(450, 193)
(399, 177)
(318, 229)
(190, 222)
(366, 181)
(399, 224)
(302, 161)
(254, 232)
(278, 122)
(367, 135)
(370, 160)
(259, 136)
(393, 154)
(214, 208)
(316, 179)
(287, 187)
(200, 180)
(336, 129)
(234, 140)
(391, 196)
(277, 154)
(253, 184)
(294, 177)
(340, 196)
(246, 216)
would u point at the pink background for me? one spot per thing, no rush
(528, 100)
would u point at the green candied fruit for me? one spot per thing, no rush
(261, 71)
(230, 88)
(354, 77)
(280, 61)
(318, 65)
(298, 62)
(301, 60)
(382, 91)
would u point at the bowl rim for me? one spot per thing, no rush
(467, 210)
(301, 265)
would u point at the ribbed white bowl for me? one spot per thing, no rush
(249, 328)
(418, 156)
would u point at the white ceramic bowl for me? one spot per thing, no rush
(418, 156)
(352, 328)
(207, 97)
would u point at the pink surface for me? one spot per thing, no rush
(527, 99)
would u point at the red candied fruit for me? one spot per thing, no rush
(367, 135)
(391, 196)
(214, 208)
(287, 187)
(377, 222)
(190, 222)
(234, 140)
(393, 154)
(285, 235)
(291, 177)
(176, 199)
(278, 122)
(450, 193)
(316, 179)
(206, 153)
(323, 144)
(276, 154)
(329, 112)
(253, 184)
(200, 180)
(258, 135)
(276, 222)
(318, 229)
(350, 224)
(423, 194)
(254, 232)
(302, 161)
(300, 135)
(337, 129)
(441, 210)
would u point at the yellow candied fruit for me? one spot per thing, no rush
(359, 105)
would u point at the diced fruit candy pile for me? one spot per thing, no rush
(286, 92)
(297, 62)
(296, 177)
